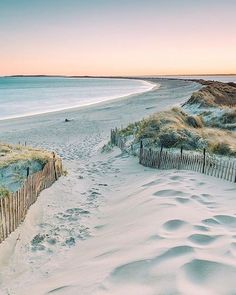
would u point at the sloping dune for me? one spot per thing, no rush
(147, 241)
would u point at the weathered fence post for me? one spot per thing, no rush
(116, 138)
(159, 164)
(112, 136)
(141, 152)
(181, 157)
(54, 165)
(204, 160)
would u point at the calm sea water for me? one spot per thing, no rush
(22, 96)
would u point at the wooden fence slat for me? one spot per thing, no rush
(13, 208)
(165, 159)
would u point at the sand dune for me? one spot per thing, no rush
(147, 241)
(114, 227)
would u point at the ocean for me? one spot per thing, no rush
(23, 96)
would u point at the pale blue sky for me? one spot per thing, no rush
(117, 37)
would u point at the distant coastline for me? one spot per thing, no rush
(115, 77)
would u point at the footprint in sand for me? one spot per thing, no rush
(169, 193)
(173, 225)
(182, 200)
(210, 221)
(201, 228)
(226, 220)
(152, 183)
(176, 177)
(138, 270)
(201, 239)
(203, 272)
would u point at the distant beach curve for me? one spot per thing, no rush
(27, 96)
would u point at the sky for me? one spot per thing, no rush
(117, 37)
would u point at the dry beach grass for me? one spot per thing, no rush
(14, 153)
(206, 120)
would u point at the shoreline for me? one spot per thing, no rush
(148, 79)
(153, 86)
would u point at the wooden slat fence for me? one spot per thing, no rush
(116, 139)
(170, 159)
(14, 207)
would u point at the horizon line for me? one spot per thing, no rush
(111, 76)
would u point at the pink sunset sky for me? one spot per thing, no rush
(117, 37)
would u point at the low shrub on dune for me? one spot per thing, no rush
(4, 192)
(175, 128)
(194, 121)
(14, 153)
(214, 94)
(221, 148)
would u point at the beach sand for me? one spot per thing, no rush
(112, 226)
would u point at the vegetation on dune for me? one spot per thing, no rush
(215, 103)
(222, 148)
(14, 162)
(172, 128)
(206, 120)
(225, 120)
(229, 117)
(214, 94)
(4, 192)
(10, 154)
(175, 128)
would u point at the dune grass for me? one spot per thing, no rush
(175, 128)
(10, 154)
(19, 155)
(215, 94)
(206, 120)
(4, 192)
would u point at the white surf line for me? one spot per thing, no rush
(79, 106)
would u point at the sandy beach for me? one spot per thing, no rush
(112, 226)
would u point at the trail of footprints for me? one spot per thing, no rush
(69, 226)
